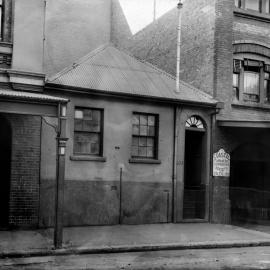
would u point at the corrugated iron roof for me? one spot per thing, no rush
(30, 96)
(111, 70)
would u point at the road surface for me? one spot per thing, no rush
(234, 258)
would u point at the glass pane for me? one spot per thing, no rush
(266, 6)
(136, 119)
(235, 80)
(143, 120)
(251, 82)
(151, 131)
(86, 143)
(150, 142)
(135, 151)
(142, 142)
(89, 125)
(151, 120)
(87, 114)
(96, 114)
(267, 90)
(142, 152)
(267, 75)
(135, 141)
(135, 130)
(150, 152)
(143, 130)
(78, 124)
(253, 4)
(78, 114)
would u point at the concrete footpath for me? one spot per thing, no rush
(129, 238)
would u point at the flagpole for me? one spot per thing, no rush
(179, 6)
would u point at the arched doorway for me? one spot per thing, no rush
(5, 165)
(194, 176)
(250, 184)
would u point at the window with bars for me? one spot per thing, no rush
(262, 6)
(88, 131)
(144, 136)
(251, 81)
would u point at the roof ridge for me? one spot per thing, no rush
(78, 62)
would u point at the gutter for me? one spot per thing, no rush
(93, 92)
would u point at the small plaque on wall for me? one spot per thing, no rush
(221, 164)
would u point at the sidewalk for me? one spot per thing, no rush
(124, 238)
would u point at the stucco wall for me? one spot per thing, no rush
(73, 29)
(92, 188)
(28, 35)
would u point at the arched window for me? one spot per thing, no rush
(195, 122)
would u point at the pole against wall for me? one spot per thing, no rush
(60, 176)
(179, 6)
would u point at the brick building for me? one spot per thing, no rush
(225, 52)
(22, 108)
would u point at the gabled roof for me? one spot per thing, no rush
(108, 69)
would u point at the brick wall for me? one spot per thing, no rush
(25, 165)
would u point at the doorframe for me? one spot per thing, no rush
(182, 116)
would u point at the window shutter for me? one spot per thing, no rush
(237, 64)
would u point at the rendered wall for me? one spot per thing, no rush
(73, 29)
(28, 35)
(92, 188)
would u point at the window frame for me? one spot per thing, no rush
(242, 96)
(155, 137)
(262, 6)
(101, 132)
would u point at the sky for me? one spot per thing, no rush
(140, 13)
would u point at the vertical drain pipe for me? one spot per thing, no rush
(179, 6)
(176, 111)
(120, 195)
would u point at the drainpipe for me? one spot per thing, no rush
(179, 6)
(60, 175)
(174, 166)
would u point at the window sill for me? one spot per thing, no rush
(251, 105)
(250, 14)
(88, 158)
(144, 161)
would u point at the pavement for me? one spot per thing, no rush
(129, 238)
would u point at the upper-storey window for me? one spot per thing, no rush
(262, 6)
(5, 20)
(251, 81)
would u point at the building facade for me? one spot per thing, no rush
(138, 151)
(224, 52)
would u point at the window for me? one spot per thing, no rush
(267, 83)
(262, 6)
(251, 81)
(88, 131)
(144, 136)
(1, 18)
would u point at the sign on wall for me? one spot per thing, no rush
(221, 163)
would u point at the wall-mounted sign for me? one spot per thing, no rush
(221, 163)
